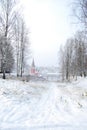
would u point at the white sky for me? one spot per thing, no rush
(50, 25)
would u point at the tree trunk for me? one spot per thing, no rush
(18, 62)
(21, 70)
(4, 77)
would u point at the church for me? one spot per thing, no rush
(33, 70)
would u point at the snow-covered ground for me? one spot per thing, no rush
(43, 106)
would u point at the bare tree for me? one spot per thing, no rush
(22, 45)
(80, 50)
(6, 53)
(7, 16)
(24, 41)
(17, 43)
(7, 19)
(67, 57)
(62, 62)
(13, 27)
(74, 57)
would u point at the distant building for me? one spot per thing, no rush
(33, 70)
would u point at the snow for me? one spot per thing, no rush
(43, 105)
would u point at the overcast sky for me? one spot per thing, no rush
(50, 24)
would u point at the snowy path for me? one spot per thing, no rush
(43, 106)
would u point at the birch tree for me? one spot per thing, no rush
(74, 57)
(7, 20)
(80, 48)
(22, 45)
(6, 53)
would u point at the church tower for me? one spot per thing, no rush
(33, 68)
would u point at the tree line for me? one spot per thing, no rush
(73, 55)
(14, 39)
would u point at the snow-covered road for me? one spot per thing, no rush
(43, 106)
